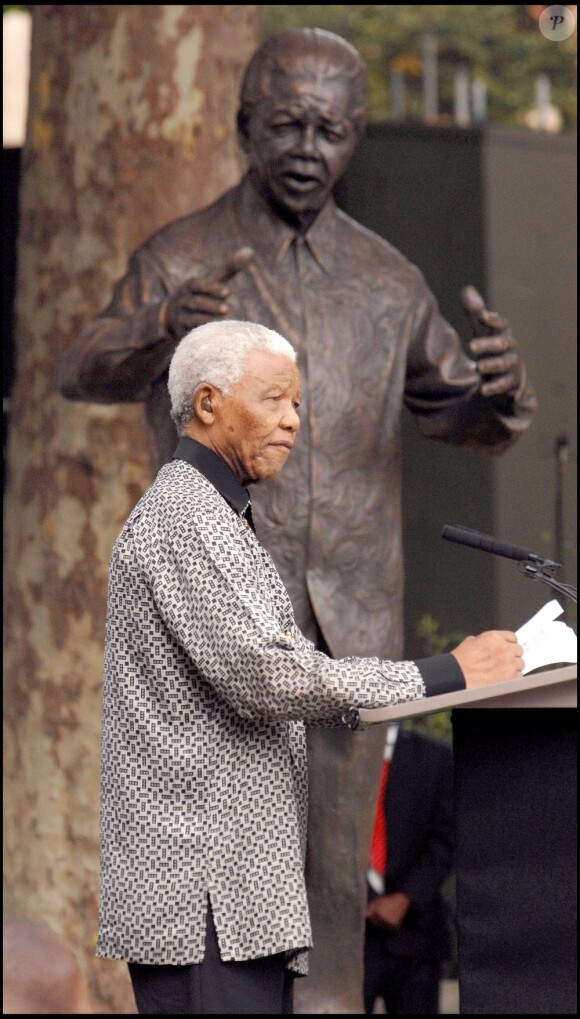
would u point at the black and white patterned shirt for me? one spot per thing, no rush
(208, 687)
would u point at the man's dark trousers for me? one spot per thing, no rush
(212, 987)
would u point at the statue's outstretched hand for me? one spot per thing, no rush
(203, 298)
(493, 347)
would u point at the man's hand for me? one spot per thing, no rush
(493, 657)
(388, 910)
(203, 298)
(494, 348)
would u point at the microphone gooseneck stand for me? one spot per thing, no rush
(531, 564)
(537, 568)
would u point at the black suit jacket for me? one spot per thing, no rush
(420, 834)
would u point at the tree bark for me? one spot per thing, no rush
(131, 124)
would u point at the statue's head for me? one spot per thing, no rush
(302, 114)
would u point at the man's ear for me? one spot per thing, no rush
(203, 399)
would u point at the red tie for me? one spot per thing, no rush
(379, 839)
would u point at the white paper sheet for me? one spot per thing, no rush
(546, 641)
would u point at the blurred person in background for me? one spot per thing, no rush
(408, 936)
(41, 974)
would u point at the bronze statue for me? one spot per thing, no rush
(275, 249)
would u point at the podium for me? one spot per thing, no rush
(515, 807)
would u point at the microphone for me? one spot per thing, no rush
(474, 539)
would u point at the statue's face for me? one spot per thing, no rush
(298, 142)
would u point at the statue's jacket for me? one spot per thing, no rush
(370, 340)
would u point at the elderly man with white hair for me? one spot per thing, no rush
(209, 685)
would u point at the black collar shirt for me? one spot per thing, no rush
(218, 473)
(209, 684)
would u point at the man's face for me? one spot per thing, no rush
(257, 420)
(299, 142)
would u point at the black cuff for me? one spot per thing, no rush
(441, 674)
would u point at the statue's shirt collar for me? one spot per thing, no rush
(271, 237)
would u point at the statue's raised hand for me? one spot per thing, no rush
(203, 298)
(493, 347)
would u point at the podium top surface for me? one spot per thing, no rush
(553, 688)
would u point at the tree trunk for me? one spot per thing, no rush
(131, 124)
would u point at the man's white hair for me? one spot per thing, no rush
(216, 353)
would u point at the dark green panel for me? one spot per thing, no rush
(421, 189)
